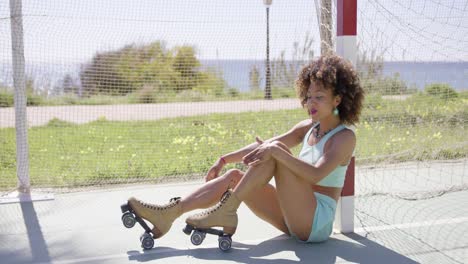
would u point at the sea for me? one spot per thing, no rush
(236, 73)
(414, 74)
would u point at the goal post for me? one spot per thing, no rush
(23, 191)
(346, 29)
(17, 46)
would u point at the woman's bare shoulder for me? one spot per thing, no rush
(344, 137)
(302, 127)
(307, 123)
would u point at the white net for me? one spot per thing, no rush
(132, 92)
(135, 91)
(411, 175)
(413, 64)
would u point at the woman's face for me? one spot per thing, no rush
(320, 101)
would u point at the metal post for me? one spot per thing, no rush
(267, 66)
(346, 47)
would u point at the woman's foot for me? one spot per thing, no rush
(160, 216)
(223, 214)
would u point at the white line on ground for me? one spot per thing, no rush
(412, 225)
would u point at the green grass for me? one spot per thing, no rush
(64, 154)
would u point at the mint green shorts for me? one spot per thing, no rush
(324, 216)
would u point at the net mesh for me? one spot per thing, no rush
(411, 175)
(125, 92)
(120, 93)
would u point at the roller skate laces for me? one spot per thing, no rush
(223, 214)
(217, 206)
(172, 202)
(160, 216)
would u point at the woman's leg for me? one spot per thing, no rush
(295, 196)
(264, 203)
(211, 192)
(297, 200)
(253, 188)
(162, 216)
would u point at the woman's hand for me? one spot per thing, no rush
(261, 154)
(214, 171)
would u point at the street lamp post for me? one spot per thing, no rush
(267, 66)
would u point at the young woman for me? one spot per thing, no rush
(303, 202)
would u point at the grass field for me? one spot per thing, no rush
(65, 154)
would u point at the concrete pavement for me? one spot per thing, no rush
(85, 227)
(79, 114)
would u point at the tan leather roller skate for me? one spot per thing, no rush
(223, 214)
(160, 216)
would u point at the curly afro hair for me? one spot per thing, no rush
(338, 74)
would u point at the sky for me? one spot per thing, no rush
(70, 31)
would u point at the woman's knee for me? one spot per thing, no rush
(233, 176)
(281, 145)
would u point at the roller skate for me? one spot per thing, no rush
(223, 214)
(161, 217)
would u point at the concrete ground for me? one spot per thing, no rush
(86, 227)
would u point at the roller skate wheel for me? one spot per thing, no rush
(128, 220)
(147, 242)
(224, 243)
(197, 237)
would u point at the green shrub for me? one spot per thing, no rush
(385, 85)
(233, 92)
(209, 83)
(190, 96)
(283, 92)
(442, 90)
(463, 94)
(146, 95)
(6, 99)
(373, 101)
(55, 122)
(34, 100)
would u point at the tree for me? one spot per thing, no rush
(186, 63)
(102, 75)
(152, 67)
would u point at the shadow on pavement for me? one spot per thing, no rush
(361, 250)
(37, 244)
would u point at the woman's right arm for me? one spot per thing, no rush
(291, 139)
(233, 157)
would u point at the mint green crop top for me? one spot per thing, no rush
(311, 154)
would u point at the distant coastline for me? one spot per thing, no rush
(418, 74)
(236, 72)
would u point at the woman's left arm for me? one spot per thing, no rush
(338, 151)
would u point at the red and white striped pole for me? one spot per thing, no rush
(346, 47)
